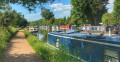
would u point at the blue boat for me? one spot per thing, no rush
(87, 46)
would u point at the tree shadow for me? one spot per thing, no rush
(22, 58)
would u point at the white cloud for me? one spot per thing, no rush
(110, 6)
(66, 12)
(60, 7)
(61, 15)
(33, 17)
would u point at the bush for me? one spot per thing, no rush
(5, 35)
(12, 29)
(48, 53)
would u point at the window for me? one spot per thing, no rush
(31, 29)
(110, 55)
(57, 42)
(92, 28)
(95, 28)
(100, 29)
(85, 28)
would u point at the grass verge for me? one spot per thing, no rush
(48, 53)
(5, 36)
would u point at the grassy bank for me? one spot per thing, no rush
(48, 53)
(5, 36)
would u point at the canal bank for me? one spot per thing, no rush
(48, 53)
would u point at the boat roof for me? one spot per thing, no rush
(87, 36)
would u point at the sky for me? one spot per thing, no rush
(60, 8)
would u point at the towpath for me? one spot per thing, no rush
(19, 50)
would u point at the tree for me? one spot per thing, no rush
(105, 19)
(47, 14)
(29, 4)
(33, 23)
(109, 19)
(89, 11)
(74, 20)
(116, 10)
(51, 21)
(12, 18)
(56, 22)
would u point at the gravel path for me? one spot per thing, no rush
(19, 50)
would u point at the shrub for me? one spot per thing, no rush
(5, 35)
(12, 29)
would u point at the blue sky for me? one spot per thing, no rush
(60, 9)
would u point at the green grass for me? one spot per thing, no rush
(5, 36)
(48, 53)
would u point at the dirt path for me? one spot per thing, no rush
(19, 50)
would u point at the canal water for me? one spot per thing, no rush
(40, 36)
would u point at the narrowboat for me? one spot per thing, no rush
(89, 47)
(87, 28)
(55, 28)
(68, 27)
(33, 29)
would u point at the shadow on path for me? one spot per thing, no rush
(19, 50)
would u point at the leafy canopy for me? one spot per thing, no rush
(29, 4)
(88, 11)
(116, 9)
(12, 18)
(47, 14)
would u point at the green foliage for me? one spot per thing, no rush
(47, 14)
(31, 5)
(12, 18)
(52, 21)
(3, 6)
(5, 35)
(12, 30)
(74, 20)
(105, 18)
(109, 19)
(33, 23)
(88, 11)
(44, 33)
(114, 17)
(116, 10)
(48, 53)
